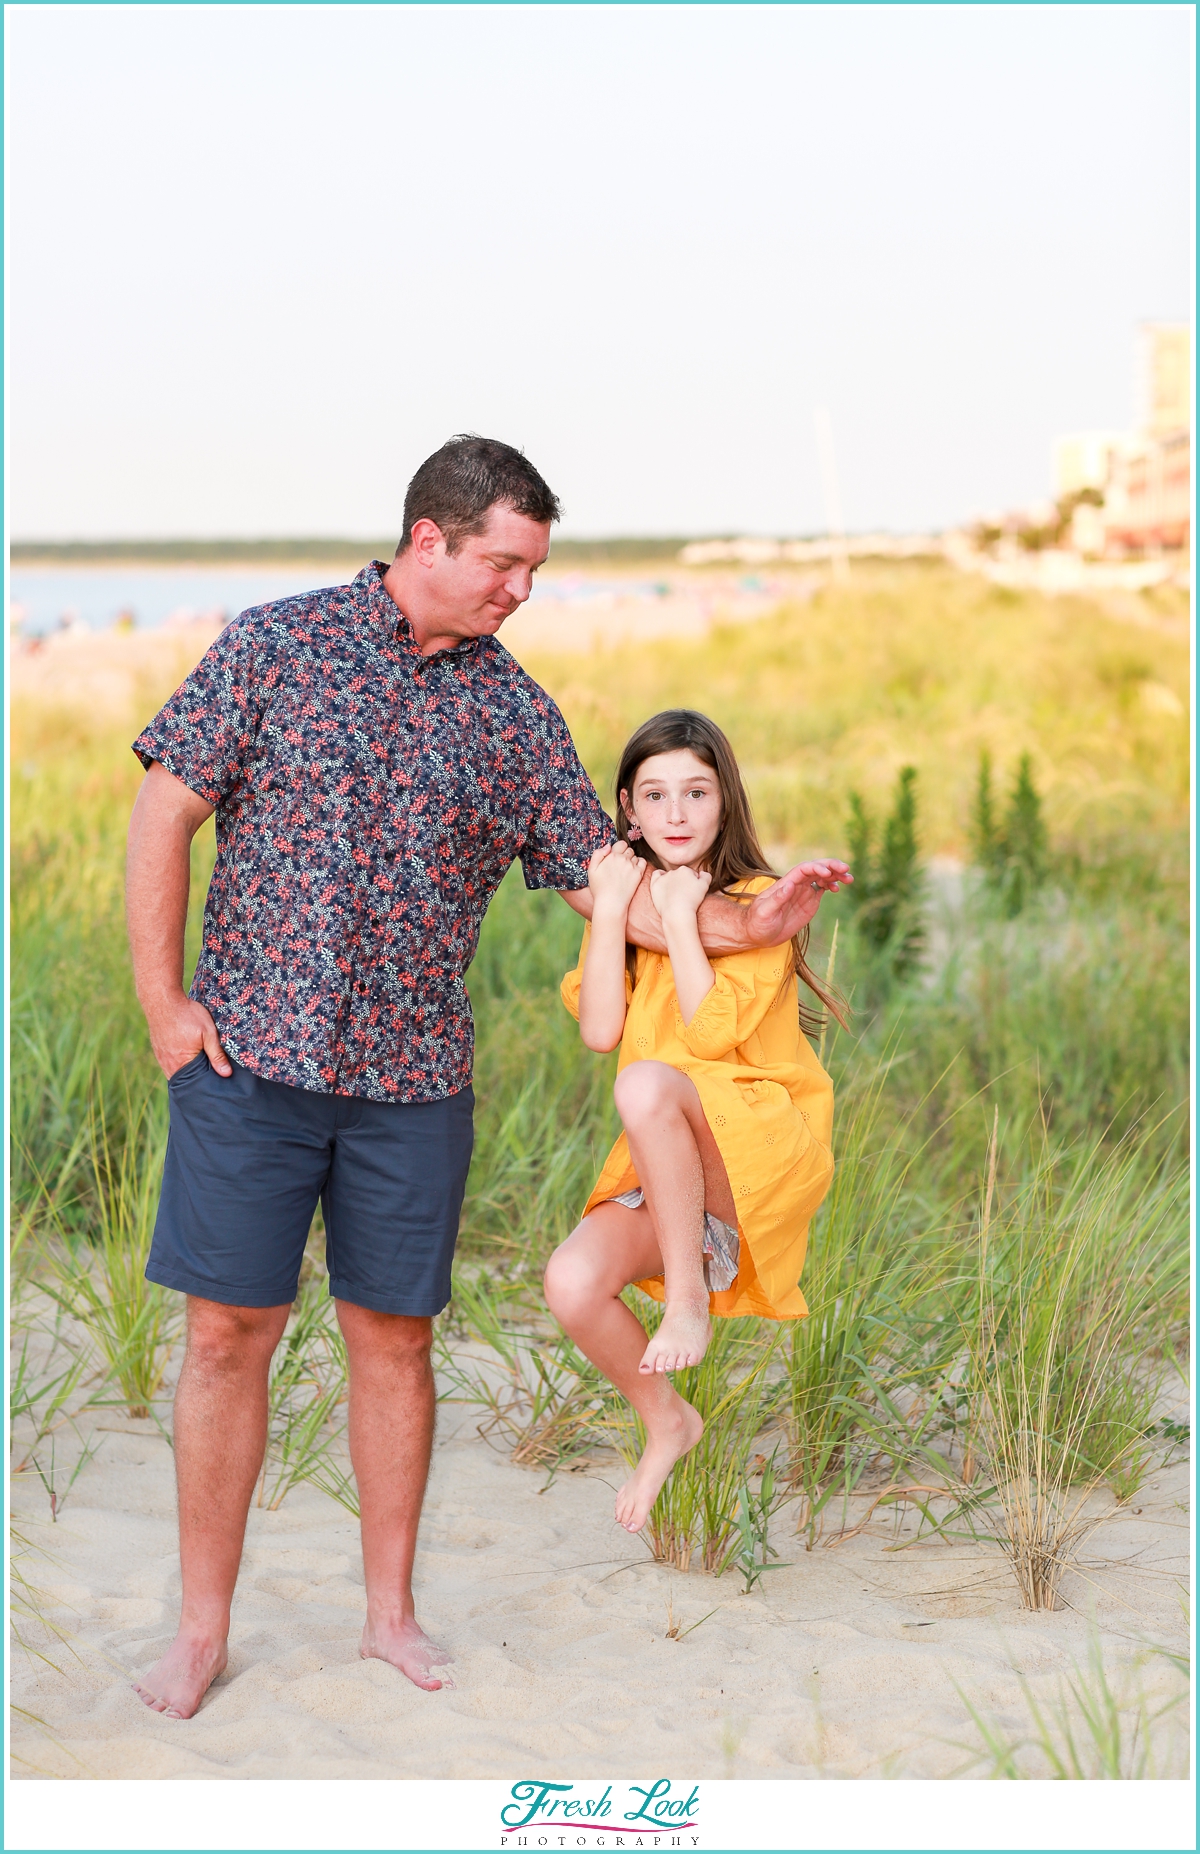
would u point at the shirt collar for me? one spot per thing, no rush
(386, 615)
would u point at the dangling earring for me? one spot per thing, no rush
(633, 830)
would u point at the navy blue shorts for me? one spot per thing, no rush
(247, 1161)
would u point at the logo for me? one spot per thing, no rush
(624, 1816)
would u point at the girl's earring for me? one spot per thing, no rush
(634, 830)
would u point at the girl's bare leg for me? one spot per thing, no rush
(584, 1279)
(681, 1172)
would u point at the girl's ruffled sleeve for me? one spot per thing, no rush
(747, 985)
(568, 991)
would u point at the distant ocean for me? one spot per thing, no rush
(44, 598)
(98, 596)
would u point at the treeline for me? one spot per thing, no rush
(617, 551)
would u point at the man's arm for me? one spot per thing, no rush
(729, 926)
(165, 818)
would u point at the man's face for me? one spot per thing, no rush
(481, 585)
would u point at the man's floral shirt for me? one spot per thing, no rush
(368, 802)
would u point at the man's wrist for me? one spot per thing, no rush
(161, 1000)
(681, 921)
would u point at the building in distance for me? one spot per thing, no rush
(1125, 495)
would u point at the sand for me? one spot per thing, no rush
(842, 1664)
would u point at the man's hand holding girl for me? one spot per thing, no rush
(780, 911)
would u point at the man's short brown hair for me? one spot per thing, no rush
(458, 485)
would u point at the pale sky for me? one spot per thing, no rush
(262, 260)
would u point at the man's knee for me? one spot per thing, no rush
(225, 1339)
(403, 1338)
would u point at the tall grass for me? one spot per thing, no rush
(99, 1281)
(695, 1514)
(866, 1284)
(1066, 1345)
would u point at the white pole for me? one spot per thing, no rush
(838, 555)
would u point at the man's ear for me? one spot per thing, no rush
(427, 541)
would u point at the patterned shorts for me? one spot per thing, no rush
(720, 1244)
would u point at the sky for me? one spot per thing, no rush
(263, 260)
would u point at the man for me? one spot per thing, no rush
(376, 761)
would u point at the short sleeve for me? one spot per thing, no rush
(746, 987)
(569, 821)
(204, 734)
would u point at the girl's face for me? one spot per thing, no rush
(676, 799)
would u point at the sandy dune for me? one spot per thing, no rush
(844, 1664)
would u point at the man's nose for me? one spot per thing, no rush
(519, 584)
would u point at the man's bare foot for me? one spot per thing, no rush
(176, 1685)
(681, 1340)
(405, 1644)
(662, 1451)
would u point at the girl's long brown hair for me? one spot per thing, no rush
(737, 853)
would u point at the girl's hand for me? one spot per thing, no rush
(614, 874)
(678, 893)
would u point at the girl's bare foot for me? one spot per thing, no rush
(176, 1685)
(404, 1643)
(680, 1431)
(681, 1340)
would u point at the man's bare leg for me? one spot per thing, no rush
(392, 1403)
(681, 1172)
(584, 1280)
(220, 1436)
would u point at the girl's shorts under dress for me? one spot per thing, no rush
(720, 1244)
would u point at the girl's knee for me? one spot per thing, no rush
(577, 1276)
(645, 1087)
(566, 1276)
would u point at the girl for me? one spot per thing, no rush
(705, 1199)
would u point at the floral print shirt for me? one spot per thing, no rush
(368, 802)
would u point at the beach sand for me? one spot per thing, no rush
(843, 1663)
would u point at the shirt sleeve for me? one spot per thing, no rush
(747, 985)
(205, 733)
(569, 821)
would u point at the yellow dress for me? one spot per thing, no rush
(765, 1096)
